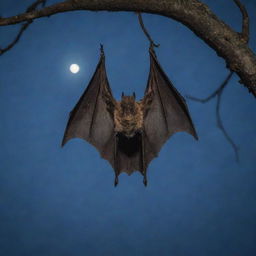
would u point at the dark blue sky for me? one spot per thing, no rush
(58, 202)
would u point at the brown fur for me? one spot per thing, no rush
(128, 116)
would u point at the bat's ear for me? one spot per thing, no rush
(122, 94)
(134, 95)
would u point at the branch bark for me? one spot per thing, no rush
(23, 28)
(227, 43)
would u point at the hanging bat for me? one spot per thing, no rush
(129, 133)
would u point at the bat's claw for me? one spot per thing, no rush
(116, 181)
(145, 181)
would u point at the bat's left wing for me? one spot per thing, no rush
(92, 117)
(165, 111)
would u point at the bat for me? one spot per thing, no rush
(129, 133)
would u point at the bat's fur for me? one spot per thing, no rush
(128, 116)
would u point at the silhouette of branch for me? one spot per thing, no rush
(215, 93)
(152, 44)
(32, 7)
(222, 128)
(218, 93)
(245, 26)
(197, 16)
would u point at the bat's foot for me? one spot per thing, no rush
(145, 181)
(116, 181)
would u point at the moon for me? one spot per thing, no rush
(74, 68)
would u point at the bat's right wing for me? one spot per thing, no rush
(92, 119)
(166, 111)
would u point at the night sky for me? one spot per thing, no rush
(61, 201)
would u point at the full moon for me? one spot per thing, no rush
(74, 68)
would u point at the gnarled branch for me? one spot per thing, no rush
(192, 13)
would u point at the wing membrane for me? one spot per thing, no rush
(91, 119)
(168, 112)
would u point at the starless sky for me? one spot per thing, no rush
(56, 202)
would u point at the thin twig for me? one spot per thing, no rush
(245, 35)
(218, 93)
(17, 38)
(152, 44)
(32, 7)
(215, 93)
(222, 128)
(245, 27)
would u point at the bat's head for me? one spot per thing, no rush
(128, 104)
(129, 116)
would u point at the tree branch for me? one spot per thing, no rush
(222, 128)
(215, 93)
(245, 27)
(32, 7)
(152, 44)
(227, 43)
(218, 93)
(17, 38)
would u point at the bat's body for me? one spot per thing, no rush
(129, 133)
(128, 116)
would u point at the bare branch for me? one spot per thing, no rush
(215, 93)
(152, 44)
(222, 128)
(32, 7)
(245, 36)
(197, 16)
(218, 93)
(245, 27)
(17, 38)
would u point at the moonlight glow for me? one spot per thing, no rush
(74, 68)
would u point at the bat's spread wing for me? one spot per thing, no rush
(163, 109)
(91, 117)
(166, 111)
